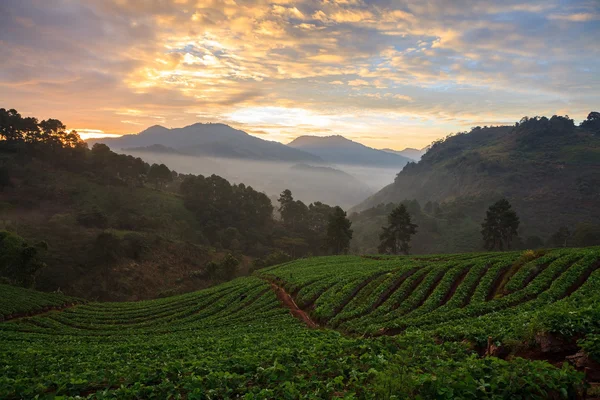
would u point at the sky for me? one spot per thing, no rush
(386, 73)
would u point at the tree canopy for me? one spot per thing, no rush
(396, 236)
(339, 233)
(499, 228)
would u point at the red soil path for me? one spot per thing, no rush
(36, 313)
(289, 302)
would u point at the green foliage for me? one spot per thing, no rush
(92, 218)
(500, 226)
(470, 296)
(220, 206)
(274, 258)
(591, 345)
(228, 266)
(396, 237)
(546, 167)
(223, 270)
(586, 234)
(19, 261)
(339, 233)
(159, 175)
(16, 302)
(236, 341)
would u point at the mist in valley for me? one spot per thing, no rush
(343, 185)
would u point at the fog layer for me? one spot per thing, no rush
(343, 185)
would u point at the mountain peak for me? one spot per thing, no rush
(154, 129)
(409, 152)
(341, 150)
(209, 139)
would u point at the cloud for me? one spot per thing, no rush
(428, 67)
(358, 82)
(578, 17)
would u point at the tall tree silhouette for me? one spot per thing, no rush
(500, 226)
(396, 236)
(338, 231)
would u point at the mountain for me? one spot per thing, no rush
(339, 150)
(155, 148)
(548, 168)
(214, 140)
(409, 152)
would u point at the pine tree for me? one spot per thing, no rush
(396, 236)
(339, 232)
(500, 226)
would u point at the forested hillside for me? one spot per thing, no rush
(101, 225)
(548, 168)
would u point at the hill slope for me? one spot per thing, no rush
(239, 339)
(339, 150)
(548, 168)
(214, 140)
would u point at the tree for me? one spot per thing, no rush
(586, 234)
(500, 226)
(338, 231)
(533, 242)
(293, 213)
(19, 261)
(10, 125)
(396, 236)
(159, 175)
(228, 267)
(52, 131)
(592, 122)
(560, 238)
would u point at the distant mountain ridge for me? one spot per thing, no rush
(409, 152)
(212, 140)
(340, 150)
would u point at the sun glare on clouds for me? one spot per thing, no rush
(414, 70)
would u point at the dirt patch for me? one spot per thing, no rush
(289, 303)
(36, 313)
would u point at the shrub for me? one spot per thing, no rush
(92, 218)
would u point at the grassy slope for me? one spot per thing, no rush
(236, 341)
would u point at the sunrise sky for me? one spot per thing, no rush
(383, 72)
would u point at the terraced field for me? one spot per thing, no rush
(387, 328)
(17, 302)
